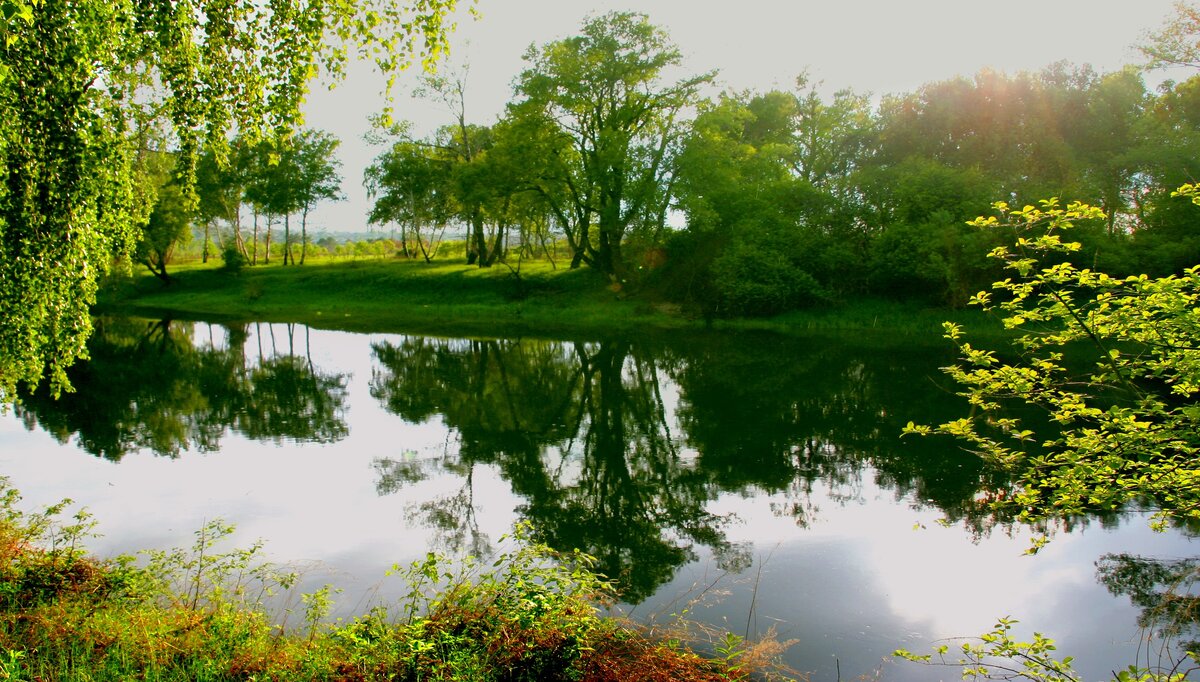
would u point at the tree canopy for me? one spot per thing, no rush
(605, 94)
(80, 80)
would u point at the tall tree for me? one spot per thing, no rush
(267, 190)
(68, 95)
(1177, 43)
(831, 139)
(220, 189)
(169, 225)
(603, 91)
(316, 175)
(410, 187)
(462, 146)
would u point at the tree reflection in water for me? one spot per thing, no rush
(1165, 590)
(580, 432)
(160, 386)
(619, 448)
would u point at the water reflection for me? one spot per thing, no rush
(579, 430)
(817, 412)
(168, 387)
(584, 433)
(666, 458)
(1164, 591)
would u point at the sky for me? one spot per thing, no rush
(875, 47)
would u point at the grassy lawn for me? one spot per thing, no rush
(389, 295)
(394, 295)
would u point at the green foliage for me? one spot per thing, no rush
(84, 87)
(525, 616)
(752, 280)
(411, 185)
(232, 259)
(1127, 430)
(10, 664)
(292, 177)
(1124, 434)
(1175, 43)
(170, 224)
(600, 98)
(995, 655)
(202, 614)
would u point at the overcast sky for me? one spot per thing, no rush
(871, 46)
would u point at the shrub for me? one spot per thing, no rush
(759, 282)
(234, 260)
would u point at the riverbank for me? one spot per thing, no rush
(388, 295)
(204, 614)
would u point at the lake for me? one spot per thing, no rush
(758, 481)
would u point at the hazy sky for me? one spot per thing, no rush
(872, 46)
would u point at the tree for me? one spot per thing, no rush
(220, 190)
(170, 224)
(462, 147)
(313, 175)
(735, 162)
(1177, 43)
(1108, 146)
(76, 74)
(412, 189)
(1127, 431)
(830, 139)
(764, 180)
(1166, 240)
(602, 93)
(1125, 434)
(521, 191)
(266, 191)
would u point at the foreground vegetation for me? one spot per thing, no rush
(1125, 427)
(202, 614)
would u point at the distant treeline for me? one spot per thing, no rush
(754, 203)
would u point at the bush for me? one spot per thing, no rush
(760, 282)
(233, 258)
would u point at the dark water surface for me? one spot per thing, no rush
(759, 476)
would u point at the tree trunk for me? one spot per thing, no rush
(267, 241)
(578, 242)
(157, 266)
(484, 259)
(236, 221)
(287, 239)
(303, 233)
(497, 245)
(254, 258)
(204, 253)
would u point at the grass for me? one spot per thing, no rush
(389, 295)
(393, 295)
(203, 614)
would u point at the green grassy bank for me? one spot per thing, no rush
(388, 295)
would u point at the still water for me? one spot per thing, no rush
(758, 481)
